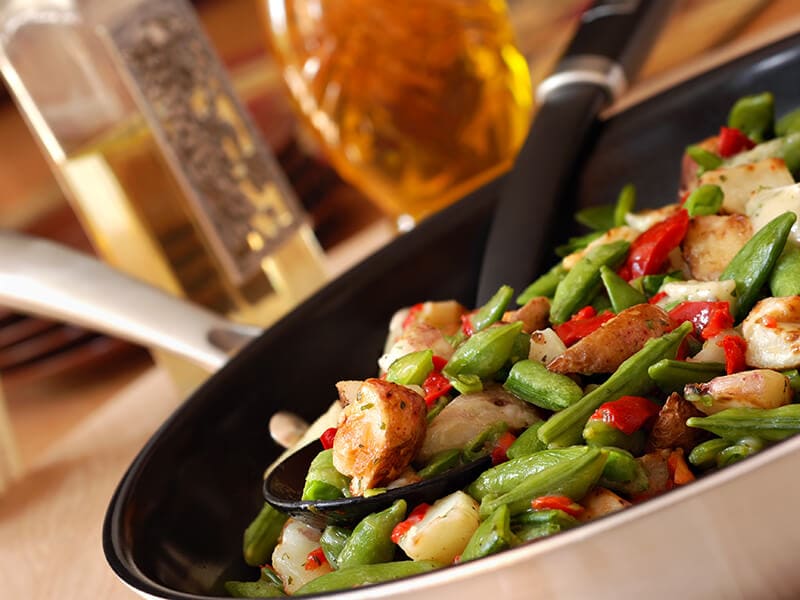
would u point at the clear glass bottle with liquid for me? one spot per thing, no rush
(416, 102)
(166, 172)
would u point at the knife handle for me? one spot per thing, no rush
(609, 46)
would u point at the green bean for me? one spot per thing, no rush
(371, 542)
(754, 116)
(571, 477)
(577, 243)
(597, 218)
(580, 285)
(268, 585)
(599, 434)
(544, 286)
(538, 517)
(705, 455)
(531, 381)
(790, 152)
(623, 473)
(738, 451)
(626, 201)
(411, 369)
(770, 424)
(785, 277)
(788, 123)
(333, 540)
(673, 375)
(506, 476)
(261, 536)
(565, 427)
(441, 462)
(793, 375)
(483, 353)
(493, 535)
(704, 200)
(751, 266)
(620, 293)
(483, 443)
(527, 442)
(361, 575)
(707, 161)
(536, 531)
(493, 310)
(323, 481)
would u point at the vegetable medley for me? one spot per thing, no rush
(663, 346)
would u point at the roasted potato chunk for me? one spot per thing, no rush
(379, 433)
(535, 314)
(606, 348)
(712, 241)
(740, 182)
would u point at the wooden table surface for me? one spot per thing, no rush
(78, 432)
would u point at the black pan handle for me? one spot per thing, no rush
(608, 48)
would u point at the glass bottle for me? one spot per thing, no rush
(415, 103)
(162, 165)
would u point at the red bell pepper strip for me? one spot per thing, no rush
(628, 413)
(679, 471)
(650, 250)
(731, 141)
(403, 526)
(315, 559)
(581, 324)
(735, 349)
(564, 503)
(501, 446)
(435, 385)
(327, 438)
(412, 315)
(708, 318)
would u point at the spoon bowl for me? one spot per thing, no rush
(283, 489)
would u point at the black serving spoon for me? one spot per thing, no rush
(607, 49)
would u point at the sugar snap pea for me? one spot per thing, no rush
(370, 542)
(493, 309)
(571, 477)
(484, 353)
(564, 428)
(332, 541)
(751, 266)
(621, 294)
(673, 375)
(704, 200)
(360, 575)
(706, 160)
(771, 424)
(704, 455)
(598, 433)
(411, 369)
(623, 473)
(268, 585)
(482, 443)
(261, 536)
(754, 116)
(785, 277)
(493, 535)
(531, 381)
(738, 451)
(544, 286)
(580, 284)
(527, 442)
(506, 476)
(323, 481)
(441, 462)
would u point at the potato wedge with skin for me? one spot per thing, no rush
(712, 241)
(759, 388)
(606, 348)
(470, 414)
(534, 314)
(670, 430)
(379, 433)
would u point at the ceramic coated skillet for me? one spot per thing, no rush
(174, 526)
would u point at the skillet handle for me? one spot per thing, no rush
(49, 280)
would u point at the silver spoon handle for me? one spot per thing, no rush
(46, 279)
